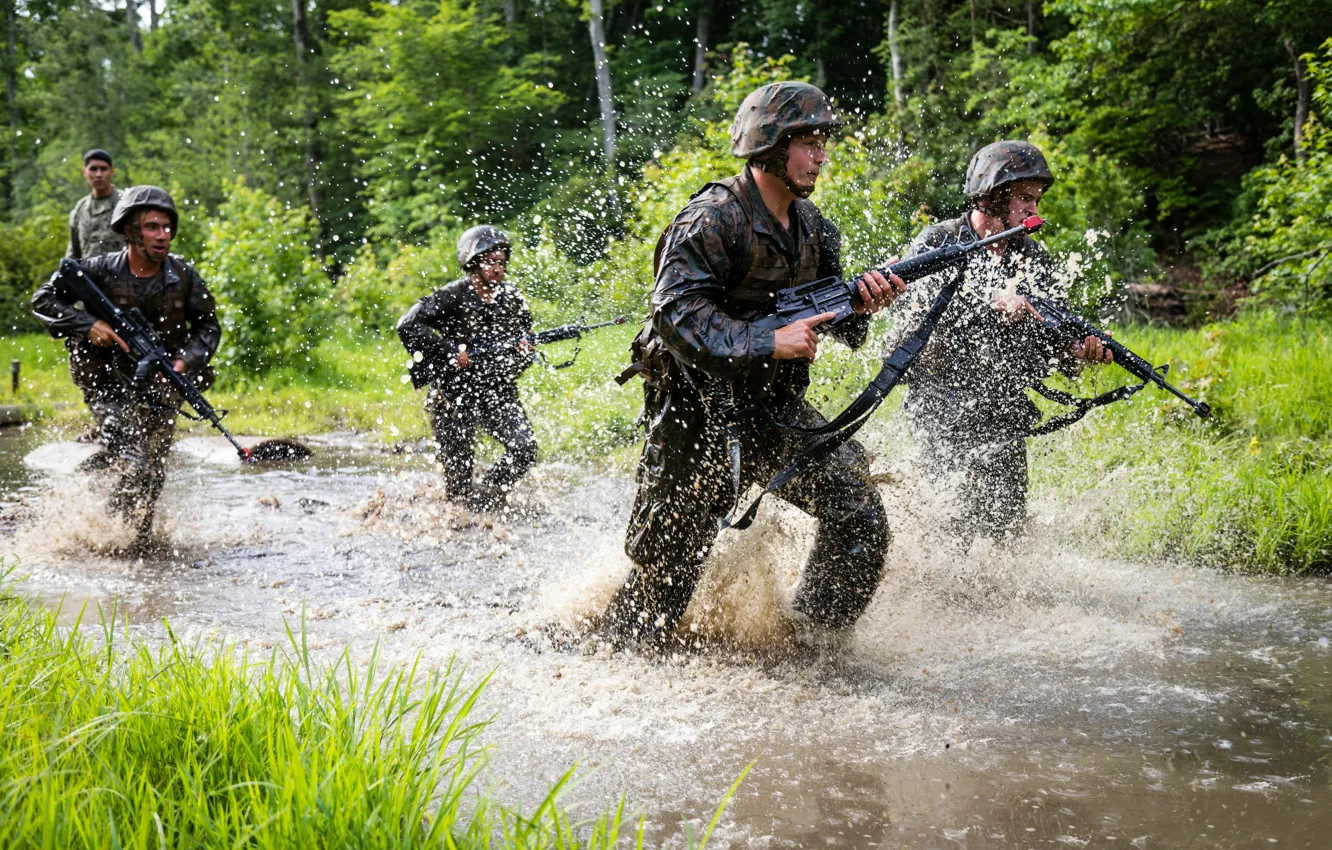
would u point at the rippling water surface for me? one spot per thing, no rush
(1030, 696)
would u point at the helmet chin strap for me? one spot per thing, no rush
(774, 162)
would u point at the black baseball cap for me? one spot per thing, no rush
(98, 153)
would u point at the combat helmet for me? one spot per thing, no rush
(778, 111)
(143, 197)
(996, 165)
(478, 240)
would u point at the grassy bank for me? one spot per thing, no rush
(1250, 487)
(121, 744)
(1247, 488)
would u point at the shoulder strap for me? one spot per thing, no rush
(746, 256)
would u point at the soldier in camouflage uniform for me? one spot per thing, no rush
(90, 231)
(966, 402)
(470, 341)
(736, 243)
(135, 424)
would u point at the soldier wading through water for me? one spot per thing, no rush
(736, 243)
(135, 424)
(966, 402)
(469, 343)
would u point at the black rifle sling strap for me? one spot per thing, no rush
(819, 443)
(1081, 406)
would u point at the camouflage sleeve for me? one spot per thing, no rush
(686, 312)
(201, 316)
(1044, 275)
(853, 331)
(421, 329)
(73, 250)
(53, 306)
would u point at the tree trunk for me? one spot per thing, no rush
(300, 36)
(1031, 27)
(701, 47)
(152, 16)
(510, 12)
(1301, 100)
(604, 93)
(895, 57)
(11, 96)
(973, 23)
(132, 22)
(820, 68)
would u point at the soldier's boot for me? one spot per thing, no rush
(844, 568)
(648, 606)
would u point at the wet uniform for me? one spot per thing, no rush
(483, 394)
(722, 260)
(966, 402)
(90, 233)
(136, 427)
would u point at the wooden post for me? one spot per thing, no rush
(14, 376)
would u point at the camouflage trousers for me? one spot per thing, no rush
(685, 486)
(135, 441)
(455, 422)
(980, 462)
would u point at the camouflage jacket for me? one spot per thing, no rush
(442, 323)
(721, 262)
(973, 371)
(90, 233)
(175, 300)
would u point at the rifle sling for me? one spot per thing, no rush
(1081, 406)
(820, 442)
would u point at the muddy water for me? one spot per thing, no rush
(1026, 697)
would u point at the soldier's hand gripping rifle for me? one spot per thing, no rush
(1064, 327)
(151, 357)
(831, 295)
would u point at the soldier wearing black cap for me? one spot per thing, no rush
(90, 231)
(966, 401)
(469, 342)
(135, 424)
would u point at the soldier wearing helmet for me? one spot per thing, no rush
(469, 342)
(966, 402)
(719, 263)
(135, 425)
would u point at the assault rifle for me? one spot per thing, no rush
(833, 295)
(422, 370)
(151, 357)
(1064, 326)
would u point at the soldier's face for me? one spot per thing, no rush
(491, 266)
(1022, 200)
(155, 234)
(805, 158)
(99, 176)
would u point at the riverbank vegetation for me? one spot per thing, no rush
(113, 742)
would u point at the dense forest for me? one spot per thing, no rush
(343, 144)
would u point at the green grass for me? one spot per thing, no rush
(113, 743)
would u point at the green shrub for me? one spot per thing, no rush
(274, 298)
(29, 252)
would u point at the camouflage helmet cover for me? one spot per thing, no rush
(1001, 163)
(478, 240)
(143, 197)
(776, 111)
